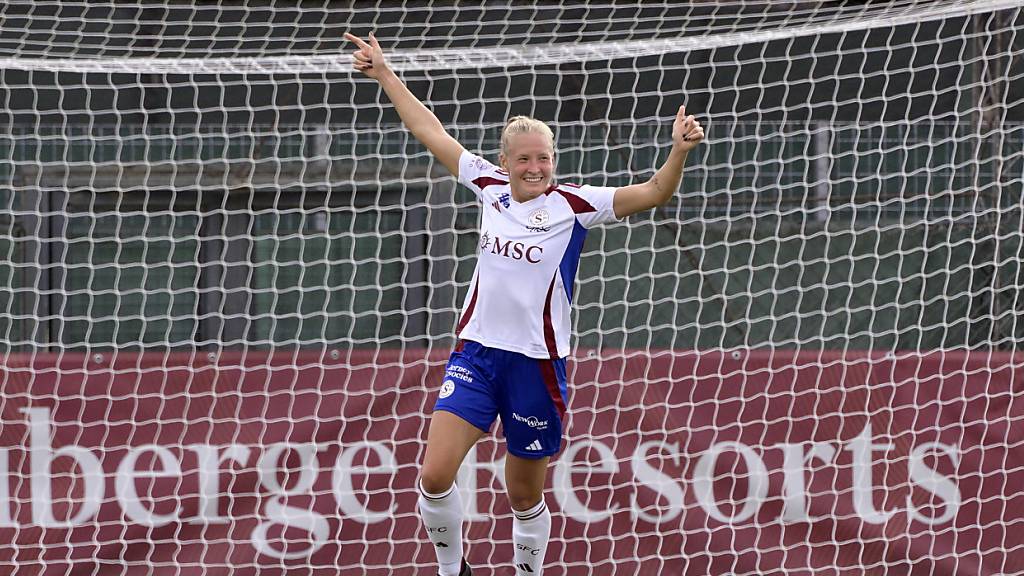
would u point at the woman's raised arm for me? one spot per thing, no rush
(369, 59)
(687, 133)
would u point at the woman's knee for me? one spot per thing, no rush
(525, 479)
(449, 440)
(435, 481)
(523, 498)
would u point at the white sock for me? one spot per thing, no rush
(442, 518)
(530, 531)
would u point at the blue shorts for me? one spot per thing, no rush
(529, 394)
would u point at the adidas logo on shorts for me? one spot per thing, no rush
(535, 446)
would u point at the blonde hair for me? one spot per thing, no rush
(524, 125)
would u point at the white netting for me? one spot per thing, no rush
(230, 279)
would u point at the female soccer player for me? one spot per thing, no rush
(514, 328)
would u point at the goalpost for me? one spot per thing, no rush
(230, 277)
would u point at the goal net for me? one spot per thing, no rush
(230, 279)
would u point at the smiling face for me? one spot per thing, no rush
(530, 162)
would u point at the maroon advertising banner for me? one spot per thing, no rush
(674, 462)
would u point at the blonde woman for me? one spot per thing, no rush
(514, 328)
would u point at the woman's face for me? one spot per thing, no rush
(530, 163)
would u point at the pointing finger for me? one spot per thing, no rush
(357, 40)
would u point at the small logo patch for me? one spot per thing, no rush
(539, 217)
(447, 388)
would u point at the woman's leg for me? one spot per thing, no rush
(448, 441)
(531, 524)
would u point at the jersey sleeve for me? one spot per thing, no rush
(593, 205)
(476, 173)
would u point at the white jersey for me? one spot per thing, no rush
(521, 293)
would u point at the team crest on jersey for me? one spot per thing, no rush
(539, 217)
(447, 389)
(538, 220)
(505, 200)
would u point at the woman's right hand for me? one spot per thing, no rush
(369, 58)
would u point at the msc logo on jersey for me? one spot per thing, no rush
(510, 249)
